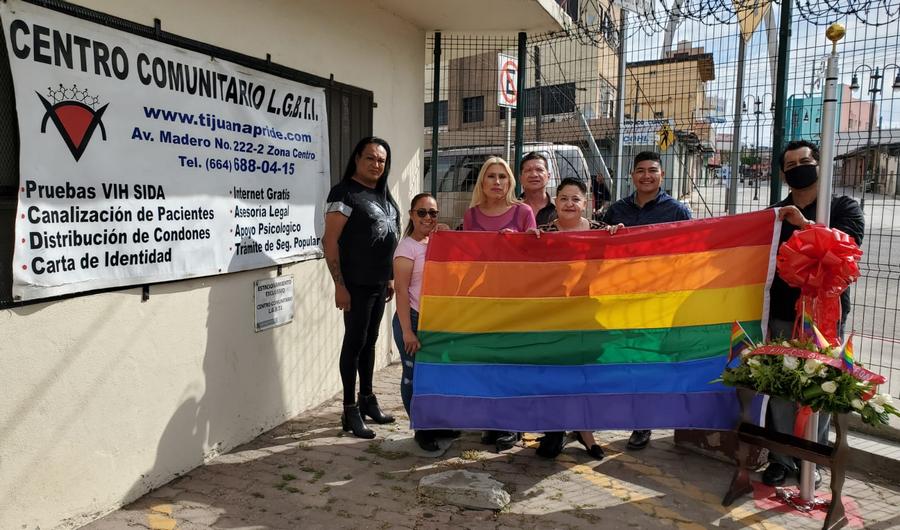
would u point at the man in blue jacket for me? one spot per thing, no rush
(648, 204)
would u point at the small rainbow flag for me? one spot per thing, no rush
(586, 331)
(811, 331)
(847, 353)
(739, 341)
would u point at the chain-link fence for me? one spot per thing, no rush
(703, 98)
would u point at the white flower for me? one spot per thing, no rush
(753, 361)
(810, 366)
(882, 399)
(804, 378)
(823, 371)
(878, 408)
(857, 404)
(791, 362)
(829, 386)
(786, 344)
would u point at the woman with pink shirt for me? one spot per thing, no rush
(494, 207)
(409, 263)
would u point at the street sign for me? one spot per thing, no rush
(643, 132)
(665, 137)
(507, 80)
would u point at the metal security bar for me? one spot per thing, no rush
(702, 94)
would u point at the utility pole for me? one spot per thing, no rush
(537, 91)
(520, 108)
(435, 113)
(757, 172)
(620, 112)
(781, 78)
(736, 139)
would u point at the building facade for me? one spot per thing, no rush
(108, 395)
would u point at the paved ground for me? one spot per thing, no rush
(307, 474)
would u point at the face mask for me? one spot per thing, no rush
(800, 177)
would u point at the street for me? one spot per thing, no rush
(874, 318)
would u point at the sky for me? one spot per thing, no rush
(866, 45)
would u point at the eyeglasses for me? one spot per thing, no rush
(422, 212)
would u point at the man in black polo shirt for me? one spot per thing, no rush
(800, 167)
(534, 174)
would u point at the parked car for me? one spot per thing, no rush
(458, 169)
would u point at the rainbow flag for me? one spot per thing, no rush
(739, 341)
(580, 331)
(847, 353)
(810, 330)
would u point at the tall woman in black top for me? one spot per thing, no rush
(362, 227)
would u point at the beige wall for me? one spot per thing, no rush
(105, 397)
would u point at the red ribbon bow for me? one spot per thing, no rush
(822, 262)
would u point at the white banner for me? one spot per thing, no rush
(144, 162)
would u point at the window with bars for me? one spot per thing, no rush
(443, 113)
(553, 99)
(473, 109)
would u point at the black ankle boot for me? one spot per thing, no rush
(368, 406)
(352, 420)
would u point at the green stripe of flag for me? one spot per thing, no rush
(581, 347)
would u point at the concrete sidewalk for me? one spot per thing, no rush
(308, 474)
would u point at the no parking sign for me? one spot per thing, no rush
(507, 80)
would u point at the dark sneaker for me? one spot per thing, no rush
(490, 437)
(776, 474)
(426, 441)
(638, 440)
(446, 433)
(551, 444)
(507, 440)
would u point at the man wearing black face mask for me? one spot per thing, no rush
(800, 167)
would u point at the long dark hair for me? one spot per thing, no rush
(381, 185)
(412, 204)
(357, 152)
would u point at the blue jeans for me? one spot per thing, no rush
(408, 361)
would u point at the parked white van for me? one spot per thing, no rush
(458, 169)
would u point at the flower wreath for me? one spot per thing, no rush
(819, 378)
(812, 370)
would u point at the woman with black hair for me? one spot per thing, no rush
(362, 228)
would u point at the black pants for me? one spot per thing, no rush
(361, 325)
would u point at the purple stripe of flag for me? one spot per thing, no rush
(696, 410)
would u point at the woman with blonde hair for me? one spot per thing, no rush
(494, 207)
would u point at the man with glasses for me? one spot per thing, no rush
(648, 204)
(800, 169)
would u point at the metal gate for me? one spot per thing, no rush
(686, 96)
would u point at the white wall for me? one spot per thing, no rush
(104, 397)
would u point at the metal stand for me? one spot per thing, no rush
(834, 458)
